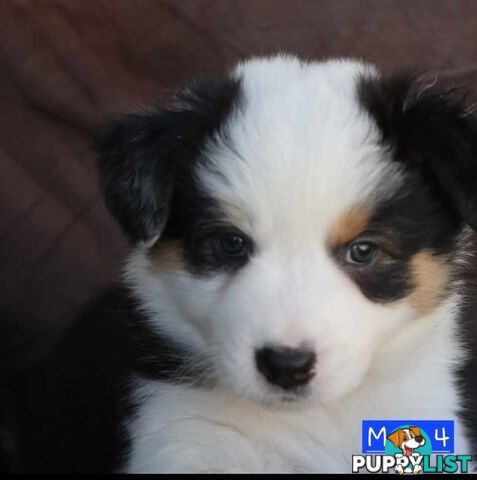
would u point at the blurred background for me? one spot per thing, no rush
(67, 65)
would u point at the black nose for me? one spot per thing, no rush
(419, 439)
(286, 367)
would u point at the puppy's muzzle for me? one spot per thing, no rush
(286, 367)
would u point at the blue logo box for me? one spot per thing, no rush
(375, 432)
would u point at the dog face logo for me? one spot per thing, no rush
(407, 439)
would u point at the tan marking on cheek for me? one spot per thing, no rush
(167, 256)
(432, 275)
(348, 226)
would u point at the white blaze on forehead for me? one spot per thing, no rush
(299, 149)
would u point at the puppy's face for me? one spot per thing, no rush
(289, 220)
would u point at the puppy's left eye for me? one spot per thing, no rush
(233, 245)
(361, 253)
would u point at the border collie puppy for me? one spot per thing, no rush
(298, 230)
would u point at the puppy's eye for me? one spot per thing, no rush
(361, 253)
(233, 245)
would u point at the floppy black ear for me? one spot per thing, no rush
(136, 172)
(432, 130)
(140, 154)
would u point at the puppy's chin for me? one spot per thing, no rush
(276, 399)
(309, 396)
(289, 401)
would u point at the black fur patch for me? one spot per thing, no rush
(411, 220)
(430, 131)
(71, 410)
(433, 135)
(145, 158)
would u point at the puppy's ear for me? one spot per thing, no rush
(416, 431)
(140, 154)
(136, 170)
(431, 130)
(396, 438)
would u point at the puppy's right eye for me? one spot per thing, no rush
(233, 244)
(361, 253)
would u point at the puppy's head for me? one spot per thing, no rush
(291, 218)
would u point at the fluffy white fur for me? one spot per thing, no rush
(301, 152)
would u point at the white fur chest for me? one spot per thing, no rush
(180, 429)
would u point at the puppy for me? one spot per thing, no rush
(298, 231)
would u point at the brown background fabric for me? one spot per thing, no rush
(66, 65)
